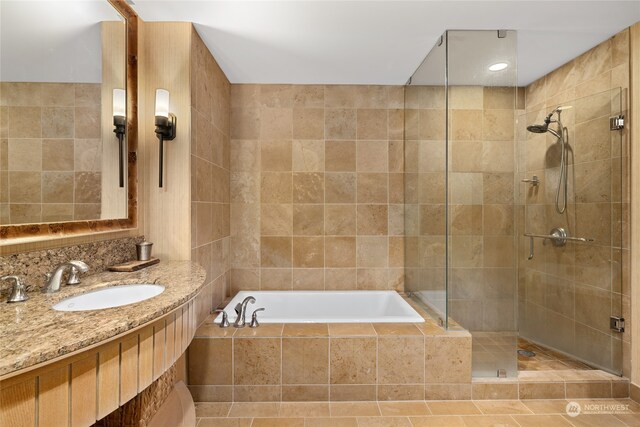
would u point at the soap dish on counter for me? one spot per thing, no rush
(133, 265)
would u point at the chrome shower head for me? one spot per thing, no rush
(538, 128)
(544, 128)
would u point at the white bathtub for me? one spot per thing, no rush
(325, 307)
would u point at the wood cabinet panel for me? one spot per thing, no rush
(159, 349)
(18, 404)
(53, 398)
(83, 391)
(170, 348)
(108, 380)
(128, 369)
(145, 361)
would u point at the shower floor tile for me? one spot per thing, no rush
(546, 359)
(498, 350)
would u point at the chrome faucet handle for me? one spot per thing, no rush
(18, 291)
(224, 322)
(73, 276)
(254, 318)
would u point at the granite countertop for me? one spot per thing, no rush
(31, 332)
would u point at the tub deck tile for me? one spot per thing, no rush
(351, 330)
(305, 330)
(267, 330)
(208, 329)
(396, 329)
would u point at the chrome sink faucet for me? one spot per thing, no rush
(53, 281)
(241, 309)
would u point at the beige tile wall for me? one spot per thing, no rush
(50, 152)
(316, 187)
(210, 92)
(336, 362)
(481, 197)
(567, 294)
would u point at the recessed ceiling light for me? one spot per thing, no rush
(498, 66)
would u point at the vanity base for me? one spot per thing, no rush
(134, 372)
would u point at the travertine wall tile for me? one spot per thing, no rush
(471, 198)
(353, 361)
(572, 289)
(50, 127)
(306, 361)
(257, 361)
(330, 362)
(313, 168)
(216, 189)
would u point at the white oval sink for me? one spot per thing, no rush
(114, 296)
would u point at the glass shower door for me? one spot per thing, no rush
(570, 282)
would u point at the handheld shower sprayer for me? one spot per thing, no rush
(561, 203)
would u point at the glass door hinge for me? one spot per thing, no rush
(616, 122)
(616, 323)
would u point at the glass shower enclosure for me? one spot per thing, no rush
(487, 248)
(570, 287)
(460, 111)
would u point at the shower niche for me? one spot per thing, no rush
(514, 208)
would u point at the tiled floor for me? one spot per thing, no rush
(545, 359)
(480, 413)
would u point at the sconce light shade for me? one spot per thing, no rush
(119, 103)
(162, 103)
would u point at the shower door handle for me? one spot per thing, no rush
(558, 237)
(535, 181)
(566, 238)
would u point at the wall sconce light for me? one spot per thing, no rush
(120, 125)
(165, 125)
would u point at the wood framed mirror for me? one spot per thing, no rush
(61, 171)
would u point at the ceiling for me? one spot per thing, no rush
(382, 42)
(469, 54)
(330, 42)
(52, 41)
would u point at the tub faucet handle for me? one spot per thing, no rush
(254, 318)
(240, 319)
(224, 321)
